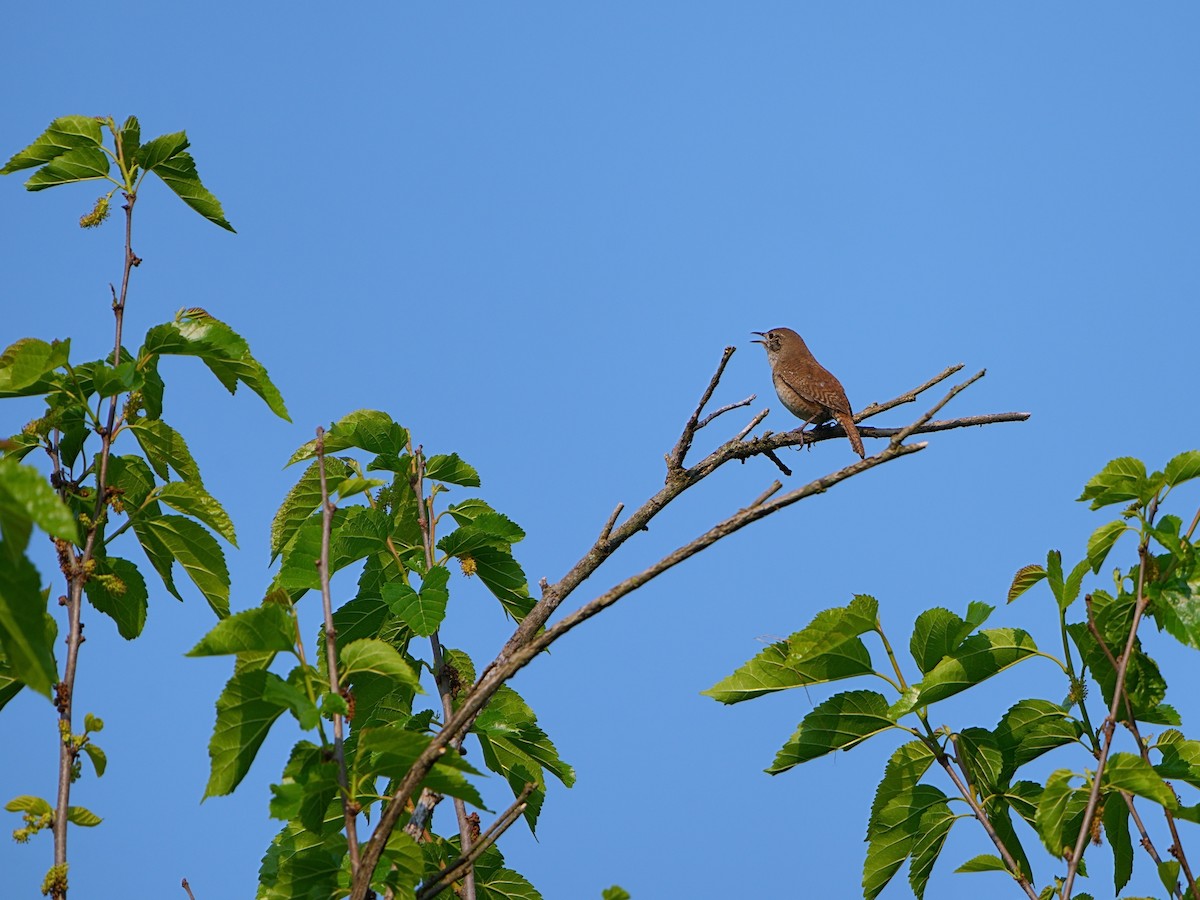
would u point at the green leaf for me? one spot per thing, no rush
(841, 722)
(827, 649)
(1180, 759)
(195, 333)
(269, 627)
(980, 753)
(131, 140)
(180, 175)
(904, 770)
(504, 577)
(391, 751)
(97, 756)
(896, 832)
(422, 611)
(293, 698)
(65, 133)
(27, 498)
(191, 498)
(117, 589)
(1030, 728)
(244, 716)
(165, 447)
(199, 554)
(371, 655)
(92, 723)
(1120, 481)
(933, 830)
(1102, 541)
(160, 149)
(26, 640)
(985, 862)
(505, 884)
(1116, 825)
(616, 892)
(80, 164)
(1183, 467)
(33, 805)
(78, 815)
(1025, 578)
(303, 862)
(349, 487)
(515, 747)
(451, 470)
(27, 367)
(977, 659)
(938, 633)
(302, 500)
(367, 429)
(309, 785)
(1133, 775)
(1168, 874)
(1060, 813)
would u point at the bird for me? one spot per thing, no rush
(805, 387)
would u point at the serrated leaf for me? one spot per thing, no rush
(27, 366)
(423, 610)
(895, 833)
(200, 555)
(80, 164)
(504, 577)
(124, 600)
(827, 649)
(371, 655)
(131, 140)
(302, 862)
(907, 765)
(179, 173)
(1102, 541)
(302, 500)
(160, 149)
(936, 633)
(985, 862)
(266, 628)
(79, 815)
(191, 498)
(841, 722)
(64, 133)
(1183, 467)
(26, 498)
(1115, 816)
(1122, 480)
(1025, 578)
(980, 753)
(1060, 813)
(978, 658)
(24, 637)
(1030, 728)
(165, 449)
(223, 350)
(368, 429)
(1130, 773)
(452, 470)
(244, 716)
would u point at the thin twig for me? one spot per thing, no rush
(465, 862)
(775, 487)
(675, 458)
(770, 454)
(950, 395)
(724, 409)
(875, 409)
(188, 888)
(349, 805)
(608, 526)
(1110, 723)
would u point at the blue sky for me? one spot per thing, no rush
(527, 231)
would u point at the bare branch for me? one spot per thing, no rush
(465, 862)
(950, 395)
(725, 409)
(875, 409)
(604, 532)
(675, 458)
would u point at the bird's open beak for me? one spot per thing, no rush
(760, 334)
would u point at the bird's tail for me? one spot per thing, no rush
(847, 422)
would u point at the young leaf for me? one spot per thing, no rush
(451, 470)
(27, 367)
(1120, 481)
(1060, 813)
(1183, 467)
(378, 657)
(26, 499)
(97, 756)
(1025, 578)
(1030, 728)
(1102, 541)
(24, 637)
(985, 862)
(302, 500)
(422, 611)
(244, 716)
(977, 659)
(81, 164)
(191, 498)
(165, 448)
(367, 429)
(264, 628)
(896, 831)
(199, 554)
(78, 815)
(936, 633)
(1133, 775)
(117, 589)
(841, 722)
(65, 133)
(195, 333)
(180, 175)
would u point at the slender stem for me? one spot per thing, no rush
(349, 805)
(1110, 721)
(441, 675)
(76, 565)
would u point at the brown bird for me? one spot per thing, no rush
(806, 387)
